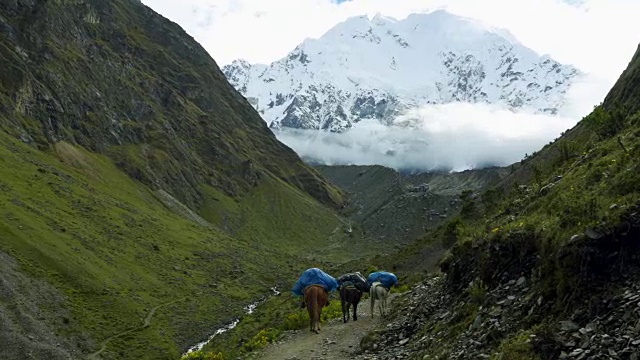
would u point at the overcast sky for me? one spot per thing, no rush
(598, 36)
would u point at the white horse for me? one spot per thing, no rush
(380, 293)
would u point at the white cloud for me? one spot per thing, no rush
(598, 36)
(446, 137)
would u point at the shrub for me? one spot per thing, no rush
(262, 339)
(300, 319)
(606, 123)
(490, 199)
(518, 347)
(400, 289)
(477, 291)
(297, 320)
(468, 204)
(371, 268)
(451, 232)
(333, 311)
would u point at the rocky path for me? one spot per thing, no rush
(335, 341)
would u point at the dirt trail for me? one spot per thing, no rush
(335, 341)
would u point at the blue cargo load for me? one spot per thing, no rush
(386, 278)
(314, 276)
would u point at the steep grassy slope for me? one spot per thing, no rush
(626, 91)
(143, 202)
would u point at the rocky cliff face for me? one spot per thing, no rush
(379, 68)
(121, 80)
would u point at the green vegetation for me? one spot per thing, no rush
(517, 347)
(261, 339)
(477, 292)
(266, 325)
(203, 355)
(116, 252)
(400, 289)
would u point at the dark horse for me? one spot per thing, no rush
(315, 297)
(349, 295)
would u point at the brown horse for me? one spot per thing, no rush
(349, 295)
(316, 297)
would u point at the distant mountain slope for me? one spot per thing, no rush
(395, 208)
(378, 68)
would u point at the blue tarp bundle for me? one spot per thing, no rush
(314, 276)
(386, 278)
(356, 279)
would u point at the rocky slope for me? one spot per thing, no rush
(379, 68)
(417, 326)
(121, 80)
(395, 208)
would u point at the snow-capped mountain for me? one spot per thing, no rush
(379, 68)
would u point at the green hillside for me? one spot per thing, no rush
(144, 202)
(113, 251)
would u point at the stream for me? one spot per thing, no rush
(249, 309)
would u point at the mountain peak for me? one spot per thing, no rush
(381, 20)
(379, 68)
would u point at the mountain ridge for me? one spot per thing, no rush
(166, 130)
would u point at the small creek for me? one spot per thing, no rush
(249, 309)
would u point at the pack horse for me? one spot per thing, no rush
(314, 285)
(351, 287)
(381, 283)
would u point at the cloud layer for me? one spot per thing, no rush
(454, 137)
(450, 137)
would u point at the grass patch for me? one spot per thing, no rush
(400, 289)
(516, 347)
